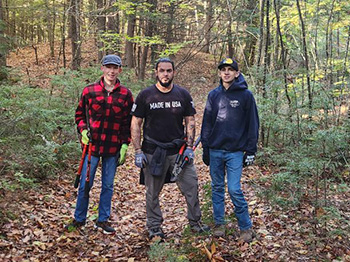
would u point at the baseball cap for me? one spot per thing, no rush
(111, 60)
(228, 62)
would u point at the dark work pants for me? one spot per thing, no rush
(188, 184)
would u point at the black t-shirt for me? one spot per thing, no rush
(163, 113)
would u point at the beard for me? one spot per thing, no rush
(167, 84)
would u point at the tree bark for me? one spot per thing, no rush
(283, 56)
(169, 28)
(266, 64)
(261, 35)
(267, 47)
(129, 45)
(101, 27)
(208, 25)
(51, 24)
(249, 50)
(2, 41)
(306, 57)
(150, 25)
(75, 29)
(112, 23)
(63, 33)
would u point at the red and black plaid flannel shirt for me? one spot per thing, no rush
(109, 117)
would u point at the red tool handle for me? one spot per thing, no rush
(182, 149)
(179, 155)
(77, 179)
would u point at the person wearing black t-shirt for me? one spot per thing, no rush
(160, 110)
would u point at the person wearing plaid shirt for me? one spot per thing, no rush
(103, 115)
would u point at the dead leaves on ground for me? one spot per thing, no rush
(36, 231)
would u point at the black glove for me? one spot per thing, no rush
(206, 156)
(248, 159)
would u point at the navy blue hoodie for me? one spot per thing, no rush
(230, 120)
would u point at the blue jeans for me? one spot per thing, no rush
(109, 166)
(222, 162)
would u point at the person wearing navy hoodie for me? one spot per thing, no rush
(229, 139)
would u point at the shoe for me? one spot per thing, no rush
(247, 235)
(199, 227)
(74, 225)
(155, 232)
(105, 227)
(219, 231)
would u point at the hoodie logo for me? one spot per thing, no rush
(234, 103)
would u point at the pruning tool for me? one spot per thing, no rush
(77, 178)
(89, 149)
(87, 180)
(178, 167)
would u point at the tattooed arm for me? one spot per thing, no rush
(136, 124)
(190, 130)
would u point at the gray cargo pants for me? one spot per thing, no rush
(188, 184)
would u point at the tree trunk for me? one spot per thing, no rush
(75, 29)
(329, 47)
(229, 29)
(112, 23)
(2, 41)
(113, 19)
(150, 25)
(249, 50)
(169, 28)
(51, 24)
(230, 42)
(63, 33)
(267, 48)
(266, 64)
(101, 27)
(283, 56)
(261, 35)
(306, 57)
(129, 45)
(208, 25)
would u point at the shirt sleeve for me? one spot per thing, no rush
(138, 108)
(190, 108)
(253, 128)
(80, 112)
(206, 123)
(125, 133)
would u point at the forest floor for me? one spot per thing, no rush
(36, 233)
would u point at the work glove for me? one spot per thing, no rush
(206, 156)
(189, 154)
(140, 160)
(248, 159)
(85, 137)
(122, 153)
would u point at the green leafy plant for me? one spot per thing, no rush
(162, 252)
